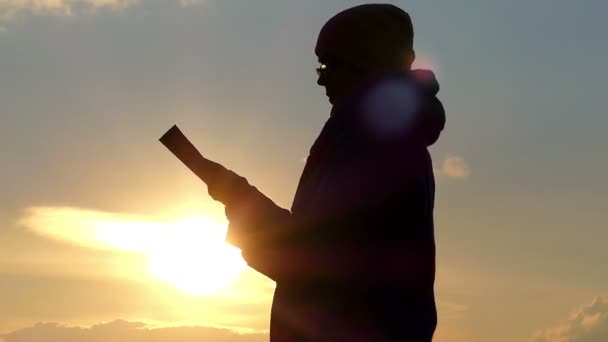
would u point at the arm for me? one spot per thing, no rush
(383, 193)
(382, 235)
(255, 220)
(402, 263)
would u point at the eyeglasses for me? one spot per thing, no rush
(321, 70)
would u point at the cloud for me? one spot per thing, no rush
(587, 324)
(29, 298)
(186, 3)
(194, 242)
(451, 310)
(454, 167)
(124, 331)
(11, 8)
(118, 231)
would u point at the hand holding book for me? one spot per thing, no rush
(221, 182)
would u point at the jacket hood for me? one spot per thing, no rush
(432, 112)
(403, 104)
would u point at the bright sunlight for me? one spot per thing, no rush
(188, 253)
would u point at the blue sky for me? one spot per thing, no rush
(521, 197)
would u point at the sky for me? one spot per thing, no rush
(104, 233)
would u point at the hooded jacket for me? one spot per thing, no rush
(354, 258)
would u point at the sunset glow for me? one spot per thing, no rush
(196, 259)
(108, 235)
(188, 253)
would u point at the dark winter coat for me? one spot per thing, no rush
(354, 258)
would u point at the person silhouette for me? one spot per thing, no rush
(354, 258)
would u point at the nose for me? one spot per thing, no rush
(321, 80)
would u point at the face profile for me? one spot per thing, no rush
(361, 43)
(338, 77)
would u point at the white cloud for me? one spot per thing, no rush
(123, 331)
(587, 324)
(11, 8)
(455, 167)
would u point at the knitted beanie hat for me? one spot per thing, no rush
(370, 36)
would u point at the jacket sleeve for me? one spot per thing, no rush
(372, 208)
(254, 219)
(374, 204)
(402, 262)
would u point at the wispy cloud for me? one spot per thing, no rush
(12, 8)
(186, 3)
(193, 242)
(116, 231)
(450, 310)
(587, 324)
(454, 167)
(124, 331)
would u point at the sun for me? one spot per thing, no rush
(190, 254)
(195, 258)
